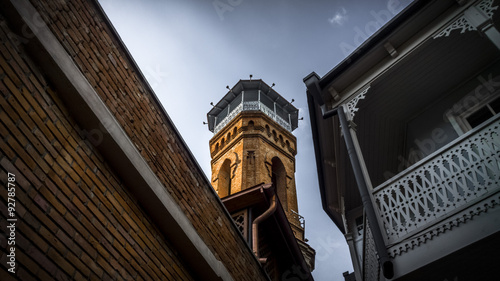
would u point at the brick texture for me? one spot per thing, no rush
(250, 142)
(76, 220)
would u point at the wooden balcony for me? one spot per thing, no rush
(455, 188)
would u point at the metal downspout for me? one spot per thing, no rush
(255, 228)
(384, 260)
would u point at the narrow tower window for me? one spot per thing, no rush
(279, 181)
(224, 186)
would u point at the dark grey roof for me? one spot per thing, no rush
(247, 85)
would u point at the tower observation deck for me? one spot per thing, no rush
(252, 95)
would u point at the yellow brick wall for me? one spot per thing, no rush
(251, 151)
(77, 221)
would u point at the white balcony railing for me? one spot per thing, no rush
(448, 181)
(253, 105)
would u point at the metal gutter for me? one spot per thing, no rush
(255, 228)
(268, 191)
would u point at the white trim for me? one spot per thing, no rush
(459, 120)
(404, 51)
(351, 106)
(461, 230)
(471, 19)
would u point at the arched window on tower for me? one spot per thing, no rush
(224, 185)
(279, 181)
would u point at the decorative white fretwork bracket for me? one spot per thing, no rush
(476, 17)
(351, 105)
(460, 23)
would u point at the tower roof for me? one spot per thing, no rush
(253, 95)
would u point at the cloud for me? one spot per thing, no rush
(339, 17)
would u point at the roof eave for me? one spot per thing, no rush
(378, 38)
(265, 192)
(336, 217)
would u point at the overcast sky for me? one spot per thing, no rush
(190, 50)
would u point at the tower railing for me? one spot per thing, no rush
(298, 218)
(250, 106)
(298, 224)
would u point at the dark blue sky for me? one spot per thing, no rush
(189, 50)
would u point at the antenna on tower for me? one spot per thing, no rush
(230, 90)
(270, 88)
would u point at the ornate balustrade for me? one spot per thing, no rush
(253, 105)
(297, 219)
(297, 223)
(371, 266)
(445, 183)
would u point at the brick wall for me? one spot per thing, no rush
(76, 219)
(251, 150)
